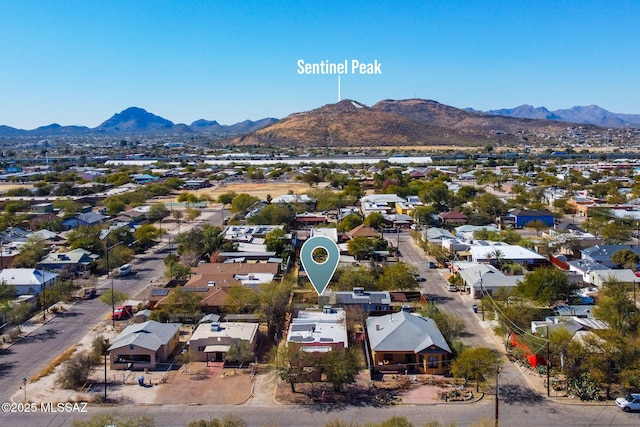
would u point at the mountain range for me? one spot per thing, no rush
(591, 114)
(136, 120)
(399, 123)
(348, 122)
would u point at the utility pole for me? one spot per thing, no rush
(497, 393)
(548, 364)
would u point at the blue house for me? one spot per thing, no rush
(83, 219)
(522, 217)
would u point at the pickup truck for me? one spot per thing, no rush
(122, 312)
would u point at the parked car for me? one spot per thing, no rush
(122, 312)
(89, 293)
(631, 402)
(124, 270)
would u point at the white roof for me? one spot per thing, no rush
(515, 252)
(381, 198)
(230, 330)
(26, 276)
(331, 233)
(315, 327)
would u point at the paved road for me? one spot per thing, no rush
(479, 333)
(30, 355)
(535, 415)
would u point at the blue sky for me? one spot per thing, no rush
(79, 62)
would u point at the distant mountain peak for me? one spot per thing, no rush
(589, 114)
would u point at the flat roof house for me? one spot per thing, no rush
(318, 331)
(211, 341)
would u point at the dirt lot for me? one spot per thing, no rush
(258, 189)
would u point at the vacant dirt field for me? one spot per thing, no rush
(259, 189)
(5, 187)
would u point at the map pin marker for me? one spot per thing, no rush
(320, 273)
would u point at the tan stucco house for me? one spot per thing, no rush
(144, 345)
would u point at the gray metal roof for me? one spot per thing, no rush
(150, 334)
(404, 331)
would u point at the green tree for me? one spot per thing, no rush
(182, 303)
(614, 233)
(547, 285)
(174, 269)
(118, 297)
(241, 299)
(146, 235)
(69, 208)
(86, 237)
(242, 202)
(398, 276)
(361, 247)
(349, 222)
(361, 277)
(475, 364)
(276, 241)
(157, 212)
(275, 213)
(340, 367)
(115, 205)
(31, 253)
(617, 309)
(374, 220)
(240, 352)
(191, 214)
(626, 258)
(451, 325)
(289, 362)
(274, 302)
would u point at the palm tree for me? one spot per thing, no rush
(495, 257)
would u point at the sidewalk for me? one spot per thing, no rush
(31, 325)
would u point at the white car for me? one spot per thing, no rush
(631, 402)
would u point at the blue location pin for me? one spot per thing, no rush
(320, 273)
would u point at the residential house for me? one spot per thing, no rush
(308, 219)
(83, 219)
(602, 253)
(318, 331)
(453, 218)
(488, 252)
(28, 281)
(367, 301)
(584, 267)
(467, 231)
(144, 345)
(211, 341)
(363, 231)
(522, 217)
(436, 235)
(405, 342)
(77, 261)
(598, 278)
(483, 279)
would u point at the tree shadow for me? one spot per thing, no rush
(512, 393)
(325, 399)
